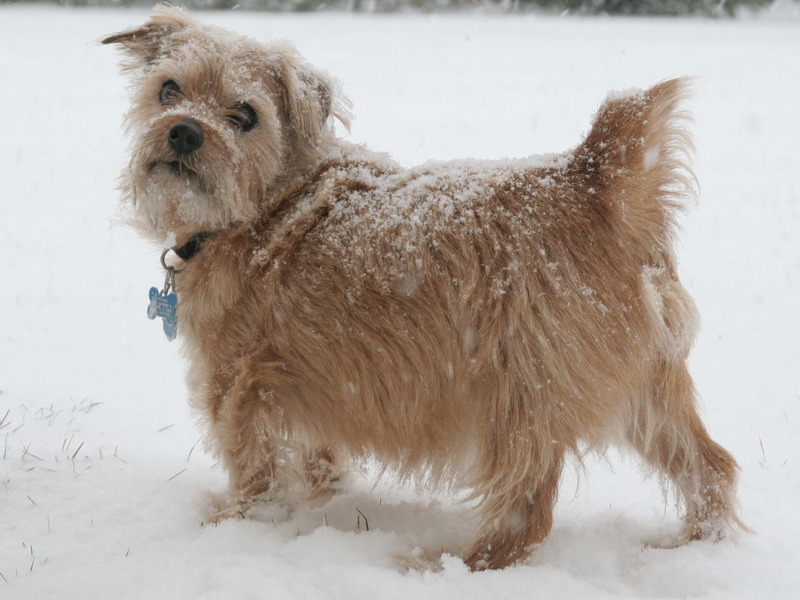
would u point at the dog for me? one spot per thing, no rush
(468, 324)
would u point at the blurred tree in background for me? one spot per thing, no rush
(578, 7)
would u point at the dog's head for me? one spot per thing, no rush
(219, 123)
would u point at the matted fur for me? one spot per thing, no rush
(468, 323)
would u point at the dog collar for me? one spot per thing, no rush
(164, 303)
(190, 249)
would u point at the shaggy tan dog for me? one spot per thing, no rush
(467, 323)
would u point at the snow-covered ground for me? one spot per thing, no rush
(103, 486)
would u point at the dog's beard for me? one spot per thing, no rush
(177, 175)
(178, 195)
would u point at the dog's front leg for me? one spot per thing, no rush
(324, 474)
(249, 433)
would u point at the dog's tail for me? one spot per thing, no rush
(636, 161)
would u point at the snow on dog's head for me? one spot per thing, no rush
(218, 124)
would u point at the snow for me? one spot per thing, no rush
(103, 484)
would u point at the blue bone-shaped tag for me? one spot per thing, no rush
(163, 305)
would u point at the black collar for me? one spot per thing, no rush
(190, 249)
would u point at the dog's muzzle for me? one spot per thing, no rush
(185, 137)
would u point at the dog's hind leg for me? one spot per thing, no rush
(667, 431)
(517, 507)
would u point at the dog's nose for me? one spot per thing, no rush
(185, 137)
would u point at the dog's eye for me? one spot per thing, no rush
(168, 92)
(244, 118)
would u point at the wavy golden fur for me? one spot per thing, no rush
(466, 323)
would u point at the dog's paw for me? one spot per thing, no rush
(221, 509)
(712, 530)
(268, 512)
(224, 508)
(419, 560)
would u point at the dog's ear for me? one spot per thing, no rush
(307, 97)
(144, 43)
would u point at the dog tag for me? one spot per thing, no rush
(163, 305)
